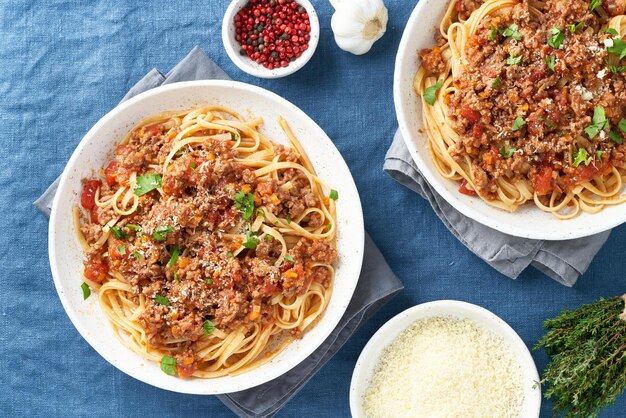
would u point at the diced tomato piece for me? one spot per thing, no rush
(88, 196)
(96, 270)
(458, 6)
(93, 215)
(185, 371)
(464, 190)
(471, 115)
(543, 180)
(152, 130)
(477, 130)
(110, 173)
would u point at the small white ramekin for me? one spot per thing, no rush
(251, 67)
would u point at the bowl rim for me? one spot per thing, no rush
(475, 212)
(393, 327)
(202, 388)
(244, 63)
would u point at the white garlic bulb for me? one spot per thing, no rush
(357, 24)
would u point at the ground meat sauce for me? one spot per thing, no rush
(553, 106)
(206, 282)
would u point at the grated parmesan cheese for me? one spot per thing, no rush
(446, 367)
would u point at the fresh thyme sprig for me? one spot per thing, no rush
(588, 349)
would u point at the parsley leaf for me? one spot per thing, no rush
(136, 254)
(512, 59)
(494, 33)
(168, 365)
(161, 300)
(581, 156)
(209, 281)
(430, 95)
(86, 290)
(615, 137)
(599, 122)
(550, 61)
(573, 27)
(334, 194)
(594, 4)
(507, 154)
(230, 254)
(133, 227)
(557, 37)
(118, 232)
(610, 31)
(268, 237)
(244, 202)
(121, 249)
(147, 183)
(512, 32)
(290, 259)
(251, 241)
(160, 231)
(616, 69)
(622, 125)
(496, 82)
(599, 155)
(518, 123)
(208, 327)
(618, 48)
(174, 258)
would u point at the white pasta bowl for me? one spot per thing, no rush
(368, 360)
(528, 221)
(97, 147)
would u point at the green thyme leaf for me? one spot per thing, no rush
(137, 255)
(244, 202)
(610, 31)
(507, 153)
(174, 256)
(251, 241)
(430, 94)
(513, 60)
(161, 300)
(616, 137)
(622, 125)
(118, 233)
(147, 183)
(618, 48)
(160, 231)
(550, 61)
(121, 249)
(573, 27)
(518, 123)
(86, 290)
(208, 327)
(594, 4)
(290, 259)
(168, 365)
(494, 33)
(598, 123)
(496, 82)
(512, 32)
(599, 155)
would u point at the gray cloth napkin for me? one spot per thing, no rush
(564, 261)
(377, 283)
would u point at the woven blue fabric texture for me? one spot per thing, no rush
(64, 64)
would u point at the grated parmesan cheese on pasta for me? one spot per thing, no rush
(446, 367)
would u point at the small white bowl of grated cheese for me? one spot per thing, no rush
(445, 359)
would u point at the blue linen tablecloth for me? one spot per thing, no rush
(65, 64)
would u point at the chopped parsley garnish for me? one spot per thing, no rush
(133, 227)
(86, 290)
(599, 154)
(193, 167)
(518, 123)
(622, 125)
(550, 62)
(251, 241)
(136, 254)
(581, 156)
(121, 249)
(616, 137)
(209, 281)
(327, 228)
(507, 154)
(556, 37)
(512, 59)
(244, 202)
(175, 254)
(209, 327)
(618, 48)
(496, 82)
(161, 300)
(551, 124)
(512, 32)
(616, 68)
(290, 259)
(334, 194)
(494, 33)
(573, 27)
(160, 231)
(147, 183)
(430, 95)
(598, 123)
(610, 31)
(261, 212)
(118, 232)
(269, 237)
(168, 365)
(594, 4)
(237, 137)
(175, 276)
(230, 254)
(288, 219)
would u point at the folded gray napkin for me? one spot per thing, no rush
(377, 283)
(564, 261)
